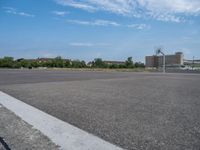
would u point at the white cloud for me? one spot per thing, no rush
(105, 23)
(14, 11)
(139, 26)
(83, 44)
(76, 4)
(95, 22)
(60, 13)
(164, 10)
(25, 14)
(172, 6)
(99, 22)
(166, 17)
(81, 22)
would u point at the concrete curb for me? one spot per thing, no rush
(61, 133)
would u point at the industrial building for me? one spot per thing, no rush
(191, 62)
(155, 61)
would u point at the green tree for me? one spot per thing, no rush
(113, 66)
(7, 62)
(67, 63)
(59, 62)
(16, 64)
(139, 65)
(34, 64)
(98, 63)
(25, 63)
(78, 64)
(129, 63)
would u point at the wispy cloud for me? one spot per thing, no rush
(139, 26)
(87, 44)
(95, 22)
(76, 4)
(166, 17)
(60, 13)
(25, 14)
(14, 11)
(163, 10)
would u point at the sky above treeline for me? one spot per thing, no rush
(107, 29)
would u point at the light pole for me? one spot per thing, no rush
(193, 63)
(164, 67)
(159, 51)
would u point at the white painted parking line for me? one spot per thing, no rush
(68, 137)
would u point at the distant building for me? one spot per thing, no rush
(89, 64)
(170, 60)
(191, 62)
(108, 63)
(114, 62)
(44, 60)
(40, 60)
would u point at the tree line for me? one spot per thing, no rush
(59, 62)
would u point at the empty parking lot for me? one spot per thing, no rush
(131, 110)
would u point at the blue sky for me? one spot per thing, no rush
(88, 29)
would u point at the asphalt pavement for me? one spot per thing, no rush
(131, 110)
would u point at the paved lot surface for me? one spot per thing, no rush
(38, 76)
(18, 135)
(132, 110)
